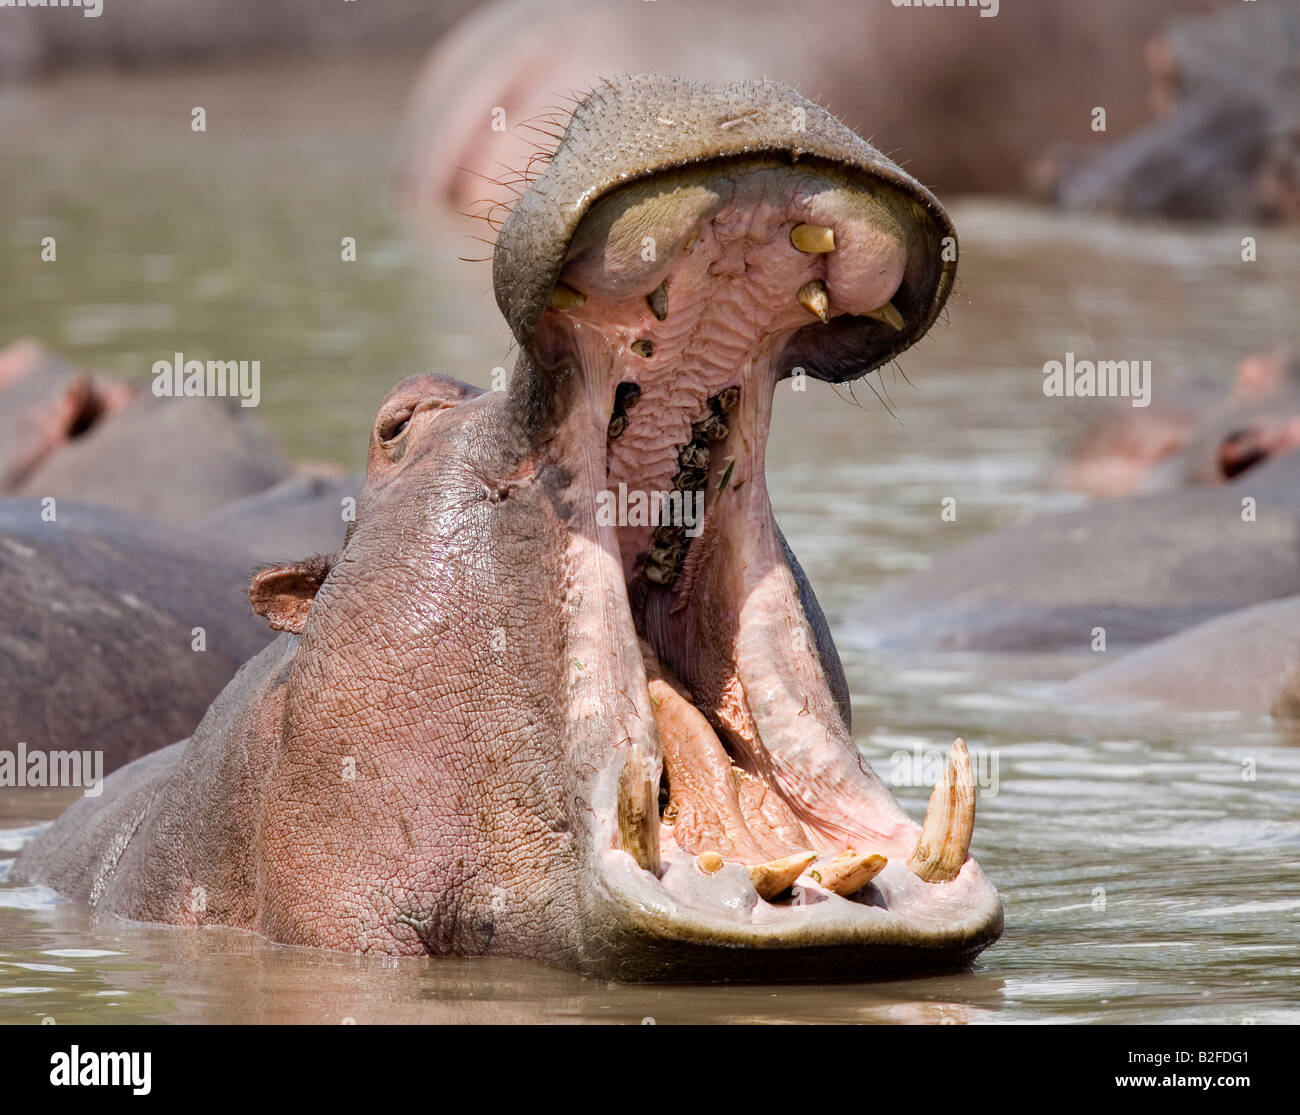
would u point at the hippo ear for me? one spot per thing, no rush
(283, 594)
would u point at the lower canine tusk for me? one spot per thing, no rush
(949, 822)
(638, 811)
(770, 879)
(849, 872)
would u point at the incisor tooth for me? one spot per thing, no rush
(850, 871)
(770, 879)
(638, 811)
(888, 314)
(813, 238)
(709, 862)
(813, 297)
(949, 822)
(564, 297)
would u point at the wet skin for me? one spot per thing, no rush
(500, 723)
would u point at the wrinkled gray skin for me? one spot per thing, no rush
(1246, 661)
(1141, 567)
(96, 644)
(72, 435)
(1227, 142)
(471, 654)
(96, 649)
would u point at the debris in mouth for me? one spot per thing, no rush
(663, 564)
(626, 396)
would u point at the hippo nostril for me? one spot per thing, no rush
(396, 426)
(643, 347)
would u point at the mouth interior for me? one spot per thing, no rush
(679, 304)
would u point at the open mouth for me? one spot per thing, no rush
(745, 815)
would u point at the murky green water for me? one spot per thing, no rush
(1145, 879)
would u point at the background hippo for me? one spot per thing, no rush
(1141, 567)
(70, 434)
(1246, 661)
(99, 648)
(1195, 434)
(1225, 143)
(459, 748)
(883, 68)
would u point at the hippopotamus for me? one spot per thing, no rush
(118, 630)
(1141, 567)
(304, 514)
(121, 629)
(1246, 661)
(1010, 79)
(1194, 435)
(100, 439)
(516, 713)
(1225, 141)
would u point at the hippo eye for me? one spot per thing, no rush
(395, 426)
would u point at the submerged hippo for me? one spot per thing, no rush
(504, 722)
(1196, 436)
(887, 67)
(1225, 143)
(1142, 567)
(71, 434)
(1247, 661)
(117, 630)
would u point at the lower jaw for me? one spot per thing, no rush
(730, 625)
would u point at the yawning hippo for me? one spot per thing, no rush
(505, 723)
